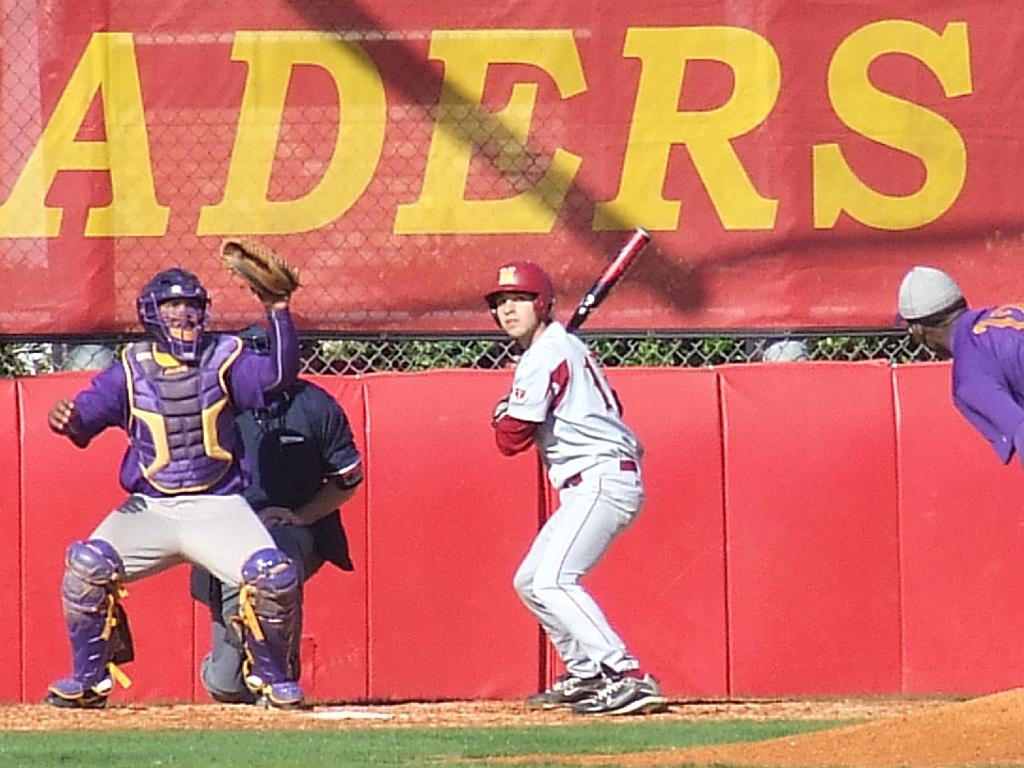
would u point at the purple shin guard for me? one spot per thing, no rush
(270, 605)
(90, 589)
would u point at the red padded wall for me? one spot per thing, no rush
(10, 534)
(451, 519)
(335, 632)
(765, 562)
(662, 584)
(810, 492)
(962, 535)
(67, 492)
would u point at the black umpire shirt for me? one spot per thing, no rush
(292, 447)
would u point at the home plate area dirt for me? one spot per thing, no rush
(917, 733)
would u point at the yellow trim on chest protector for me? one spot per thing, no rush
(211, 442)
(157, 424)
(168, 362)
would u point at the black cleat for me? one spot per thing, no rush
(69, 693)
(625, 696)
(567, 691)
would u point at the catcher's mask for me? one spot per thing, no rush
(523, 277)
(184, 338)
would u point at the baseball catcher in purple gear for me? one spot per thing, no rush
(305, 465)
(176, 396)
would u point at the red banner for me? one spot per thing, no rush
(791, 160)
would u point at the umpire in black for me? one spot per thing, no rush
(304, 466)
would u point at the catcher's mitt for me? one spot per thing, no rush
(266, 273)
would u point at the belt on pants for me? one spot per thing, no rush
(625, 465)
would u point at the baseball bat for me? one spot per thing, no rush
(608, 278)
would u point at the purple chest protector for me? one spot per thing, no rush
(181, 420)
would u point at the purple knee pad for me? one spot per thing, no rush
(270, 612)
(90, 591)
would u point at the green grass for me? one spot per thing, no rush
(433, 747)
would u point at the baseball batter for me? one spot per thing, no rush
(562, 402)
(176, 396)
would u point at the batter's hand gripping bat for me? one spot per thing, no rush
(608, 278)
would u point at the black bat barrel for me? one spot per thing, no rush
(609, 277)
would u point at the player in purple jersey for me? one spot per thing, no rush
(305, 465)
(176, 396)
(987, 349)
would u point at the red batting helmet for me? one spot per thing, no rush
(523, 277)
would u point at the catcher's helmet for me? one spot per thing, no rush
(523, 277)
(184, 341)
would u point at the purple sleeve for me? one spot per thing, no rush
(104, 403)
(983, 393)
(253, 374)
(989, 407)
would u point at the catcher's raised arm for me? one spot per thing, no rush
(268, 275)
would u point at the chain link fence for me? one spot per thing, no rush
(352, 355)
(196, 69)
(506, 145)
(366, 139)
(373, 146)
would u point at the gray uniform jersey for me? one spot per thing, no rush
(593, 460)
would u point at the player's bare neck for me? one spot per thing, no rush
(527, 341)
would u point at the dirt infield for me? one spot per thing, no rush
(987, 731)
(36, 717)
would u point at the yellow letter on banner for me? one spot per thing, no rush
(658, 124)
(107, 65)
(442, 207)
(894, 122)
(357, 150)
